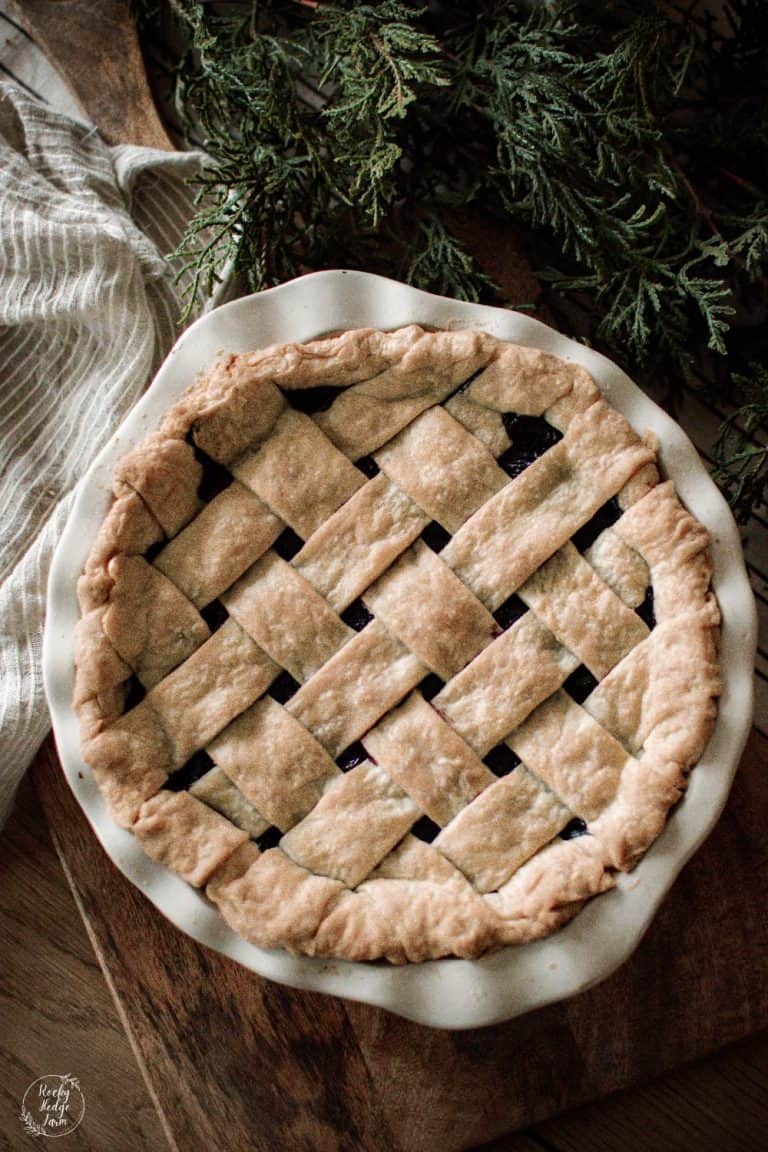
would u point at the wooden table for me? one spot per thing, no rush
(230, 1060)
(176, 1046)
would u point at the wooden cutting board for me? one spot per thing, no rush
(225, 1052)
(231, 1059)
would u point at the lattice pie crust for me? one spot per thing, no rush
(395, 644)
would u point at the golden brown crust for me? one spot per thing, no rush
(186, 835)
(366, 678)
(210, 689)
(299, 473)
(442, 467)
(360, 541)
(428, 758)
(520, 527)
(349, 878)
(432, 365)
(148, 620)
(428, 608)
(557, 593)
(283, 613)
(274, 761)
(131, 760)
(129, 529)
(100, 675)
(166, 475)
(229, 534)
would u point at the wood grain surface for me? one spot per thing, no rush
(93, 44)
(226, 1051)
(56, 1012)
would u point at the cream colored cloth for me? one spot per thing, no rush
(87, 312)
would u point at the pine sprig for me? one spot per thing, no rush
(438, 261)
(741, 452)
(628, 141)
(375, 61)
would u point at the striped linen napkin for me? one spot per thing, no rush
(88, 310)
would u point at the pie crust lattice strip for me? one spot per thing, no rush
(395, 643)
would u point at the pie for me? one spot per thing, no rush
(396, 644)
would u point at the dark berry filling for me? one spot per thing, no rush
(352, 756)
(311, 400)
(214, 614)
(134, 692)
(283, 687)
(435, 537)
(368, 466)
(531, 437)
(605, 516)
(501, 760)
(574, 828)
(646, 610)
(215, 476)
(154, 550)
(269, 839)
(184, 777)
(430, 686)
(357, 615)
(425, 829)
(580, 684)
(509, 612)
(288, 544)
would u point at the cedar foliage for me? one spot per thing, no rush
(627, 141)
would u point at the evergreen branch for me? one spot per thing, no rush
(436, 260)
(741, 457)
(629, 141)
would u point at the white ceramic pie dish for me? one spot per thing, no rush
(447, 993)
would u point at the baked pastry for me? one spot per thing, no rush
(395, 644)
